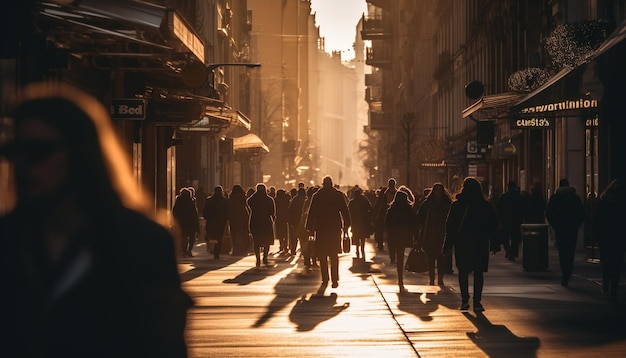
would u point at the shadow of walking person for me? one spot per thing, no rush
(499, 341)
(315, 309)
(288, 289)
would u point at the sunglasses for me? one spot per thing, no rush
(33, 151)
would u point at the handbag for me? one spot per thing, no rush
(345, 244)
(416, 261)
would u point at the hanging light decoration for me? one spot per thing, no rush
(528, 79)
(569, 45)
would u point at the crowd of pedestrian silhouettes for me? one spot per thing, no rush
(457, 229)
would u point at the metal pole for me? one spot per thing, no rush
(408, 123)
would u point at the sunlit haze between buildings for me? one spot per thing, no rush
(337, 20)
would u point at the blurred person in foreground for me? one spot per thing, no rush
(471, 230)
(90, 272)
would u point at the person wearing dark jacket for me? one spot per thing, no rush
(610, 221)
(361, 214)
(186, 216)
(471, 230)
(565, 213)
(85, 274)
(215, 212)
(431, 224)
(327, 217)
(262, 216)
(294, 216)
(400, 226)
(239, 221)
(510, 212)
(281, 225)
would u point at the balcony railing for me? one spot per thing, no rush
(374, 28)
(373, 94)
(378, 121)
(379, 56)
(374, 79)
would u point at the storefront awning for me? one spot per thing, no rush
(572, 91)
(249, 142)
(106, 27)
(493, 106)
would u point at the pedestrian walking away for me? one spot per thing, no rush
(78, 282)
(361, 214)
(262, 216)
(281, 224)
(215, 212)
(565, 213)
(431, 228)
(239, 221)
(327, 217)
(471, 230)
(510, 212)
(400, 225)
(186, 217)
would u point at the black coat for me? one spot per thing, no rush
(565, 211)
(400, 225)
(431, 224)
(262, 215)
(186, 215)
(361, 215)
(216, 214)
(123, 296)
(471, 230)
(327, 216)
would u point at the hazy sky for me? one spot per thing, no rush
(337, 21)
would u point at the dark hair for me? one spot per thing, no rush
(88, 171)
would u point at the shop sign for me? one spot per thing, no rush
(591, 122)
(186, 36)
(475, 151)
(532, 123)
(561, 106)
(128, 108)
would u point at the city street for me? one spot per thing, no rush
(283, 311)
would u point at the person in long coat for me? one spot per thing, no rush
(361, 215)
(471, 230)
(281, 223)
(307, 239)
(186, 216)
(327, 217)
(294, 216)
(510, 212)
(238, 220)
(565, 212)
(262, 216)
(431, 224)
(400, 226)
(215, 212)
(89, 269)
(610, 227)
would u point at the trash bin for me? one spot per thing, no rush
(535, 247)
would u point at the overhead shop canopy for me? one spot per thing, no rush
(573, 91)
(492, 106)
(106, 27)
(249, 143)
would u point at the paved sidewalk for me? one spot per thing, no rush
(283, 311)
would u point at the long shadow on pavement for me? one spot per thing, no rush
(315, 309)
(498, 340)
(298, 283)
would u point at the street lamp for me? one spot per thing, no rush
(408, 124)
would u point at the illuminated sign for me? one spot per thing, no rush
(532, 123)
(128, 108)
(591, 122)
(186, 36)
(561, 106)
